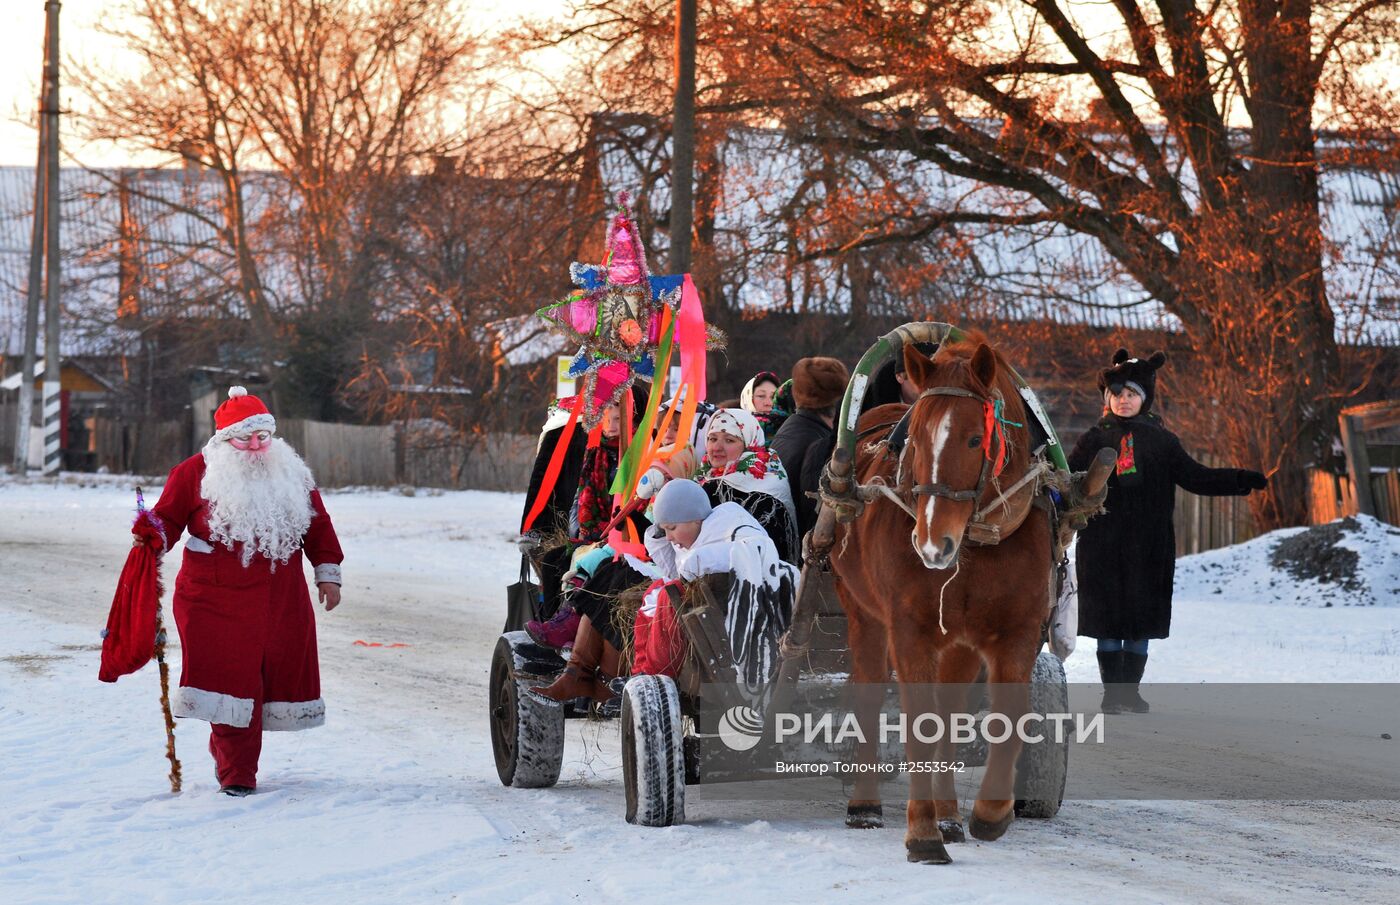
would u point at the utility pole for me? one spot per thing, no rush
(25, 413)
(53, 364)
(683, 139)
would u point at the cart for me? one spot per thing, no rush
(675, 733)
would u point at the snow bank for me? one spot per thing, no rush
(1349, 562)
(395, 801)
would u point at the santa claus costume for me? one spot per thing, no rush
(247, 629)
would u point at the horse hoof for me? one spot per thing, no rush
(952, 830)
(990, 832)
(927, 851)
(865, 816)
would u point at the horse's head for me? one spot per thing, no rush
(947, 453)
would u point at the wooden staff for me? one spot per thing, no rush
(165, 704)
(164, 672)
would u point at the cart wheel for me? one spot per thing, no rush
(1043, 767)
(653, 752)
(527, 734)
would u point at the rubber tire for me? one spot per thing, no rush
(653, 752)
(1044, 766)
(527, 734)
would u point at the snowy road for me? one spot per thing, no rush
(396, 799)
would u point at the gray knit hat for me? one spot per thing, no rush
(681, 501)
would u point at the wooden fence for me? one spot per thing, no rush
(8, 428)
(428, 454)
(141, 447)
(1210, 522)
(344, 455)
(421, 454)
(491, 462)
(1332, 496)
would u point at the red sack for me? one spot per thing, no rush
(658, 649)
(129, 641)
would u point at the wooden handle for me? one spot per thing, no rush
(840, 471)
(1099, 470)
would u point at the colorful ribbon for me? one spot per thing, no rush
(556, 464)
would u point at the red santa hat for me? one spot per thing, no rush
(242, 414)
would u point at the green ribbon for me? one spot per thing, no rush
(996, 413)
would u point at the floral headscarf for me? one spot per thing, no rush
(757, 469)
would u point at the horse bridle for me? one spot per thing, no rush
(943, 491)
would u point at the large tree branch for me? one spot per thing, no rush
(1334, 37)
(1149, 156)
(1151, 262)
(1198, 122)
(870, 238)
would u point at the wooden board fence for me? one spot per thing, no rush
(1332, 496)
(1210, 522)
(344, 455)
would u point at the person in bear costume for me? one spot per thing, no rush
(1127, 556)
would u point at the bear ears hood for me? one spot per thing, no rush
(1142, 372)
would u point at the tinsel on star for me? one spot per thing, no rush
(628, 324)
(617, 315)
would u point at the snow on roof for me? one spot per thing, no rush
(169, 221)
(1036, 272)
(526, 339)
(88, 286)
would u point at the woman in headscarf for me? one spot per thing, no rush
(739, 468)
(587, 520)
(759, 398)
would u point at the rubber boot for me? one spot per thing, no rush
(1111, 671)
(580, 676)
(1133, 667)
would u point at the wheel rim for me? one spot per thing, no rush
(503, 719)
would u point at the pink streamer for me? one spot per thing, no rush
(692, 339)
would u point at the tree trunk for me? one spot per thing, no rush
(1282, 185)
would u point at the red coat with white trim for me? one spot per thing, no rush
(247, 633)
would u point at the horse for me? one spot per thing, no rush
(922, 597)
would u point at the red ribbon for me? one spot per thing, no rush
(991, 427)
(556, 464)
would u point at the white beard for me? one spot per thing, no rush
(261, 501)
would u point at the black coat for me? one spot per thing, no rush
(555, 516)
(1127, 556)
(803, 445)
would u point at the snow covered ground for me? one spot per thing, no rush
(396, 800)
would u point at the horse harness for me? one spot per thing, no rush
(895, 443)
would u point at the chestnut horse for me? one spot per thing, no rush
(923, 598)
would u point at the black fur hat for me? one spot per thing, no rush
(1140, 374)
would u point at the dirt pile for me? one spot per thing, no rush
(1315, 554)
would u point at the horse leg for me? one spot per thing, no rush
(957, 670)
(1009, 675)
(869, 672)
(915, 665)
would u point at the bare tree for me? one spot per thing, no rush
(1181, 138)
(305, 113)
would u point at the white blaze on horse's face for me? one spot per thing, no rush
(936, 553)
